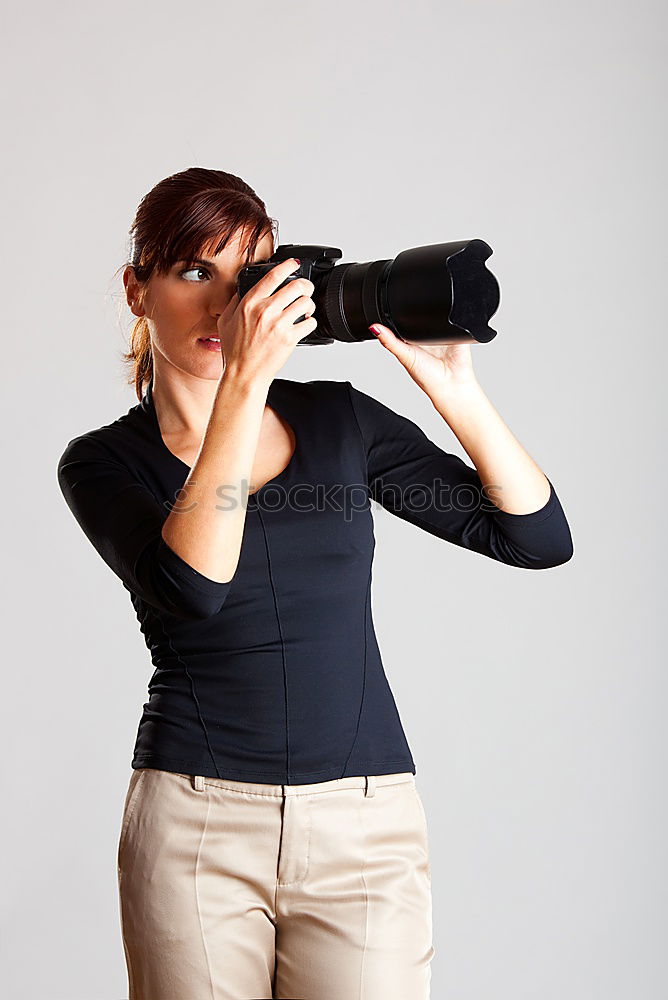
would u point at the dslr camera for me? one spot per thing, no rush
(437, 294)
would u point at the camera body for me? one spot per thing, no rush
(315, 261)
(437, 294)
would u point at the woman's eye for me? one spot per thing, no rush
(191, 270)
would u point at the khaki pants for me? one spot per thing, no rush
(235, 890)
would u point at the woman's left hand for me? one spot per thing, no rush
(436, 368)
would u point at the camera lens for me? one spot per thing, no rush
(438, 294)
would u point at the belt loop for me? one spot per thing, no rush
(198, 782)
(370, 785)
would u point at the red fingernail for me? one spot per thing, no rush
(374, 331)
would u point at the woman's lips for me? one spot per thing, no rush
(210, 345)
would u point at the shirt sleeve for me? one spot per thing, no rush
(123, 520)
(414, 479)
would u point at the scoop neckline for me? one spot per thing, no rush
(148, 406)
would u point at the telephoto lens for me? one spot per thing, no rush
(437, 294)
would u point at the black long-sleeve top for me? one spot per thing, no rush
(276, 676)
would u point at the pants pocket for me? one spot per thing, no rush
(425, 832)
(136, 780)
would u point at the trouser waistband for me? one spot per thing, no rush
(369, 782)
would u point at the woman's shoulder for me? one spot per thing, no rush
(324, 391)
(117, 440)
(340, 397)
(315, 387)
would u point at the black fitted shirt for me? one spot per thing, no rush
(276, 676)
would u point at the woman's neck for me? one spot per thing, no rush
(182, 404)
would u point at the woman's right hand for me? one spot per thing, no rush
(258, 333)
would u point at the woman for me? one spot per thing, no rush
(273, 840)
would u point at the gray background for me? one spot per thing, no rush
(534, 702)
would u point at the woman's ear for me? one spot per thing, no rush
(133, 291)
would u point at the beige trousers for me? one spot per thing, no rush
(235, 890)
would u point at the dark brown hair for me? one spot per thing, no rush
(181, 218)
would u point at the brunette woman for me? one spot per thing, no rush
(273, 840)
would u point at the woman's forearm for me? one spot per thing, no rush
(206, 524)
(515, 482)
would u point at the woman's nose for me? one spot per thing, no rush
(220, 302)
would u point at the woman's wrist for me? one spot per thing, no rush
(241, 382)
(458, 398)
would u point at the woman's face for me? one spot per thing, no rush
(182, 307)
